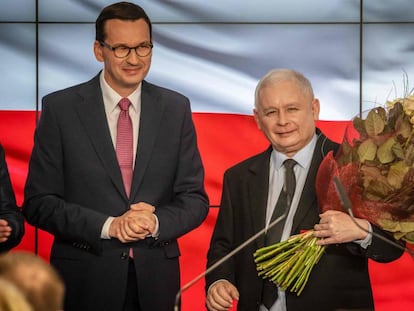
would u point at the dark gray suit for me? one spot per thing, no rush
(74, 184)
(339, 280)
(8, 208)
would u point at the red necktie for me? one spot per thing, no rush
(124, 144)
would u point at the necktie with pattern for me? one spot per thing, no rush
(124, 144)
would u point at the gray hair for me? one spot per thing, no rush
(276, 76)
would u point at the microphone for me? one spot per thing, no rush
(347, 205)
(225, 258)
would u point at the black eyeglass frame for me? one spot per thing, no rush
(135, 48)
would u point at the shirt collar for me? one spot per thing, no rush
(111, 97)
(303, 157)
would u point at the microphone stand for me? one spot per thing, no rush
(225, 258)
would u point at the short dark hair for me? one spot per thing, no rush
(120, 10)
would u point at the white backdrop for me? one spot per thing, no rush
(215, 51)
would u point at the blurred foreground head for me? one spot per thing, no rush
(12, 298)
(38, 281)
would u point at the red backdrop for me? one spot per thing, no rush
(224, 139)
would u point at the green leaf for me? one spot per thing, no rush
(395, 114)
(409, 154)
(375, 122)
(398, 150)
(384, 153)
(367, 151)
(370, 173)
(378, 189)
(359, 125)
(396, 174)
(403, 127)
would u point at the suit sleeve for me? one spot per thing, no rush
(222, 241)
(44, 206)
(380, 250)
(189, 206)
(8, 208)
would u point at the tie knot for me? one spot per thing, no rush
(124, 104)
(289, 163)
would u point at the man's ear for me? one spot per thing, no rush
(256, 118)
(98, 51)
(315, 109)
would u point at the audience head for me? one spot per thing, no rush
(38, 281)
(12, 298)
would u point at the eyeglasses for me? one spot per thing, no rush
(122, 51)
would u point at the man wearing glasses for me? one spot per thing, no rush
(116, 176)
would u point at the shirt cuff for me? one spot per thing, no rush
(105, 228)
(156, 232)
(368, 239)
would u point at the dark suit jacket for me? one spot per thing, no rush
(339, 280)
(74, 184)
(8, 208)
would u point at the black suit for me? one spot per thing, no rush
(8, 208)
(74, 184)
(339, 280)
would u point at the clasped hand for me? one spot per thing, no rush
(135, 224)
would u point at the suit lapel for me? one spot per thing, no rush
(91, 112)
(258, 186)
(308, 199)
(150, 123)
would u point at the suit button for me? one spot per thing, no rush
(124, 255)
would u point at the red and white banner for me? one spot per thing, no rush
(224, 139)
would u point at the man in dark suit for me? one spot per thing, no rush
(11, 218)
(286, 111)
(116, 220)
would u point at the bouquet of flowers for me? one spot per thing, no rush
(375, 164)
